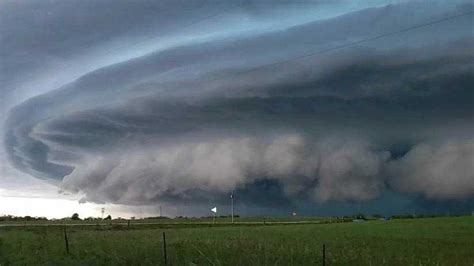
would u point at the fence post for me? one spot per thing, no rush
(324, 254)
(128, 224)
(66, 242)
(164, 249)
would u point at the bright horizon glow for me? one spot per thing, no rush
(49, 208)
(61, 208)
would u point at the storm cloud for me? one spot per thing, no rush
(437, 170)
(190, 115)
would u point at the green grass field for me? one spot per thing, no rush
(428, 241)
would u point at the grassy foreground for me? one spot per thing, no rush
(429, 241)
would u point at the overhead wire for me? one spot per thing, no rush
(347, 45)
(310, 54)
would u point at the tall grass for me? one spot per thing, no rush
(430, 241)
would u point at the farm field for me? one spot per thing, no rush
(427, 241)
(177, 221)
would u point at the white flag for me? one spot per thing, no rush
(214, 210)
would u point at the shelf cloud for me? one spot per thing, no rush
(189, 115)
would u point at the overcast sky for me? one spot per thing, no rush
(308, 106)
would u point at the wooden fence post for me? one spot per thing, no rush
(66, 241)
(324, 254)
(164, 249)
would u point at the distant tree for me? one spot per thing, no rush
(75, 217)
(20, 218)
(92, 218)
(359, 216)
(108, 217)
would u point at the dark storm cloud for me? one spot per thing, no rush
(198, 120)
(51, 41)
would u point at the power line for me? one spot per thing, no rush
(347, 45)
(192, 23)
(310, 54)
(149, 39)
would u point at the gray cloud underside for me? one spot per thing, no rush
(204, 118)
(46, 44)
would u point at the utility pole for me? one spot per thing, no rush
(160, 212)
(232, 205)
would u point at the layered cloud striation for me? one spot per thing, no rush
(294, 105)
